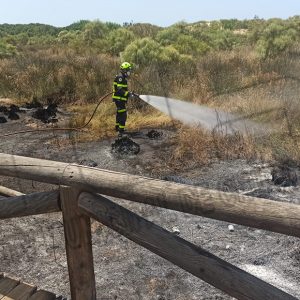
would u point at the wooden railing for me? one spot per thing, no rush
(79, 199)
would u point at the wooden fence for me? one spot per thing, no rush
(78, 198)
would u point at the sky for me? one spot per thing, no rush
(158, 12)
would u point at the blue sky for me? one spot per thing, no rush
(158, 12)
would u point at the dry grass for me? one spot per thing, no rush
(276, 104)
(196, 147)
(56, 75)
(103, 123)
(236, 81)
(255, 103)
(284, 148)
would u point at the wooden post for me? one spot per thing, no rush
(78, 246)
(230, 207)
(32, 204)
(182, 253)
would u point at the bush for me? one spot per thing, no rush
(64, 76)
(275, 37)
(7, 50)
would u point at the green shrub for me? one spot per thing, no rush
(7, 50)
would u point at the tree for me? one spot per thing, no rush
(146, 51)
(66, 37)
(94, 31)
(186, 44)
(142, 51)
(77, 25)
(275, 38)
(142, 30)
(171, 34)
(118, 40)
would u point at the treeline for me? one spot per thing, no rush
(192, 61)
(143, 43)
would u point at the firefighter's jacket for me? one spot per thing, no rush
(120, 88)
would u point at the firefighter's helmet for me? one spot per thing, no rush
(125, 66)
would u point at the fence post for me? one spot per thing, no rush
(78, 239)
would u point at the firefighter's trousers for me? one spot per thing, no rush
(121, 114)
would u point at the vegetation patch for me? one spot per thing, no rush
(249, 67)
(194, 147)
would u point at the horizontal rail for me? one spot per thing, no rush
(27, 205)
(182, 253)
(9, 192)
(249, 211)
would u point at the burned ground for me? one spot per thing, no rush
(32, 248)
(125, 146)
(46, 115)
(34, 109)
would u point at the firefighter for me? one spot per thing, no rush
(120, 96)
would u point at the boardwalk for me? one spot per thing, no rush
(12, 289)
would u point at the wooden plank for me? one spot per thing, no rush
(9, 192)
(21, 292)
(182, 253)
(42, 295)
(32, 204)
(78, 238)
(235, 208)
(6, 285)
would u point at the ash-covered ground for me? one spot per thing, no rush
(32, 248)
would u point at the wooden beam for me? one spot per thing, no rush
(235, 208)
(20, 292)
(7, 285)
(182, 253)
(78, 238)
(32, 204)
(42, 295)
(9, 192)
